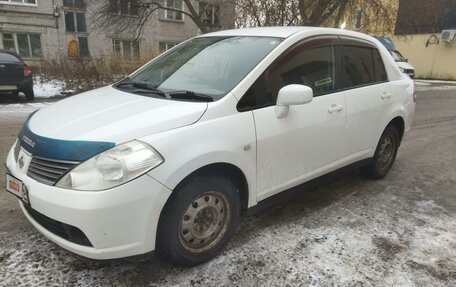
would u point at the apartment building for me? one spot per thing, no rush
(52, 29)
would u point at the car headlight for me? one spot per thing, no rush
(402, 69)
(113, 167)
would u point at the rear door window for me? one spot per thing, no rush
(380, 72)
(361, 66)
(5, 57)
(357, 66)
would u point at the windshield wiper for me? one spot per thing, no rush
(190, 95)
(144, 86)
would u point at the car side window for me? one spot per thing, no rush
(311, 66)
(361, 66)
(357, 66)
(380, 72)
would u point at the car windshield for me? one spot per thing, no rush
(397, 56)
(210, 66)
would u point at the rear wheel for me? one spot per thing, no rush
(198, 221)
(384, 156)
(29, 94)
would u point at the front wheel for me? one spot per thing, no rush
(384, 156)
(198, 221)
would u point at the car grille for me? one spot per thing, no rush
(65, 231)
(48, 171)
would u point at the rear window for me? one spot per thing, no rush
(5, 57)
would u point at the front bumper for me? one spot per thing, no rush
(118, 222)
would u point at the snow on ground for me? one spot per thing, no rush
(427, 85)
(400, 231)
(23, 108)
(436, 82)
(48, 89)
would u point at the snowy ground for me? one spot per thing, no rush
(400, 231)
(425, 85)
(48, 89)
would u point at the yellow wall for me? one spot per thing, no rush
(436, 61)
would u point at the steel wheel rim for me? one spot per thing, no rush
(204, 222)
(385, 153)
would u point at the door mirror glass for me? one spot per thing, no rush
(291, 95)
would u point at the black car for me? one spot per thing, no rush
(15, 75)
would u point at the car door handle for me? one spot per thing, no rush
(386, 95)
(335, 108)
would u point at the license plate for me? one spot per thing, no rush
(16, 187)
(8, 87)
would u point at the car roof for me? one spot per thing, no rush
(11, 53)
(285, 32)
(281, 32)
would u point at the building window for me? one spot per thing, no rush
(210, 14)
(8, 42)
(75, 22)
(26, 2)
(76, 4)
(165, 46)
(26, 45)
(124, 7)
(128, 49)
(83, 47)
(79, 48)
(174, 15)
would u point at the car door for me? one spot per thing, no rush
(310, 139)
(368, 94)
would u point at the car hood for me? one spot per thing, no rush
(111, 115)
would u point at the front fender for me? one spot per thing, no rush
(230, 139)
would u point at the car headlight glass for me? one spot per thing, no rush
(402, 69)
(113, 167)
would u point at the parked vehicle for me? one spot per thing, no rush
(169, 158)
(402, 63)
(15, 75)
(400, 60)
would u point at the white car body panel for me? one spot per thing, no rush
(135, 206)
(289, 149)
(107, 114)
(273, 154)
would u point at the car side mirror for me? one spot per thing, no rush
(292, 95)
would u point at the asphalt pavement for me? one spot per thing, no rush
(399, 231)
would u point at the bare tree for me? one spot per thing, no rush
(379, 15)
(129, 17)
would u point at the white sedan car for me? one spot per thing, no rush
(170, 157)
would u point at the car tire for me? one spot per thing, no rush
(198, 220)
(29, 94)
(384, 156)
